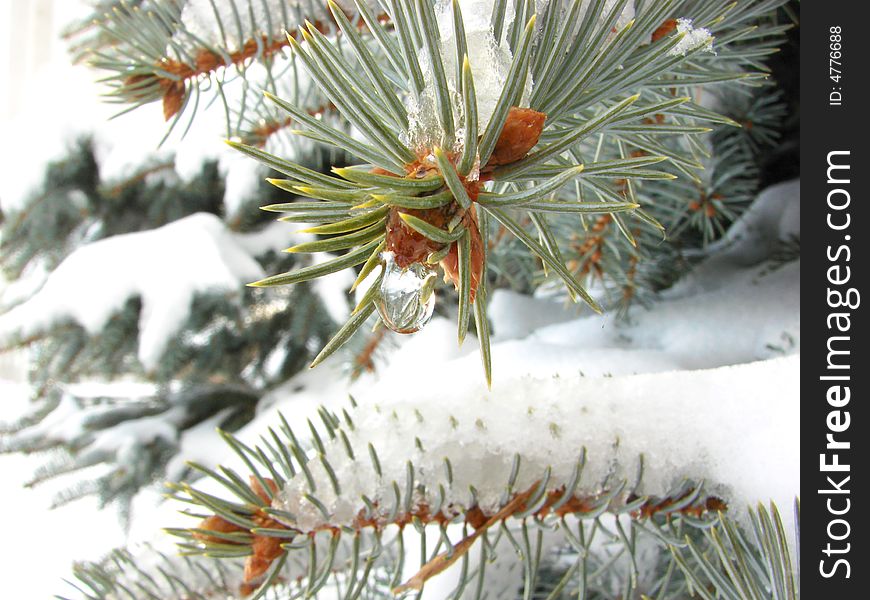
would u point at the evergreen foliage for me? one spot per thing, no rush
(586, 147)
(640, 139)
(232, 350)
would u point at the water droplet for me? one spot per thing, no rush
(407, 297)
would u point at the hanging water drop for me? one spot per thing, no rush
(407, 297)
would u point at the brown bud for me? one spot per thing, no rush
(408, 245)
(664, 29)
(173, 99)
(218, 525)
(255, 567)
(246, 589)
(450, 264)
(206, 61)
(475, 517)
(261, 493)
(520, 133)
(715, 504)
(266, 549)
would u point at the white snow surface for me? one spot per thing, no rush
(198, 444)
(732, 322)
(332, 289)
(166, 267)
(505, 305)
(774, 217)
(82, 530)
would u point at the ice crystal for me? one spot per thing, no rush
(695, 37)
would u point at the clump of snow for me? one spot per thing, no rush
(65, 423)
(126, 440)
(694, 38)
(490, 60)
(697, 417)
(70, 422)
(31, 279)
(165, 267)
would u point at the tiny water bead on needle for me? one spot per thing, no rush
(407, 295)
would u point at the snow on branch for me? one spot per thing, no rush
(684, 444)
(693, 38)
(686, 425)
(166, 267)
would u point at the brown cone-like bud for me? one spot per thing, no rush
(450, 264)
(173, 99)
(664, 29)
(218, 525)
(521, 132)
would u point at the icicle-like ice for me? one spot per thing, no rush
(490, 61)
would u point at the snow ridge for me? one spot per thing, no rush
(685, 424)
(166, 267)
